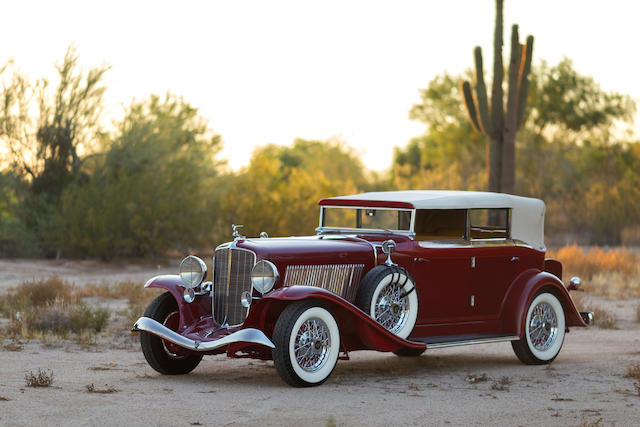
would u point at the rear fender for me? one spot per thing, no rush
(358, 330)
(522, 292)
(190, 313)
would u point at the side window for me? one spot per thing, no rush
(440, 224)
(489, 223)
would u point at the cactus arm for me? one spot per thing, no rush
(469, 104)
(481, 93)
(514, 72)
(497, 106)
(523, 80)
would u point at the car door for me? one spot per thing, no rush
(441, 266)
(443, 279)
(495, 262)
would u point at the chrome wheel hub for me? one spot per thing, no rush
(392, 307)
(312, 345)
(543, 326)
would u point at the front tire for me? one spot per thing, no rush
(307, 344)
(165, 357)
(544, 331)
(388, 295)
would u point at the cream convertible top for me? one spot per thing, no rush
(527, 214)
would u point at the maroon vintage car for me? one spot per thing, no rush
(400, 271)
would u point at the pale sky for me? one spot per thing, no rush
(270, 71)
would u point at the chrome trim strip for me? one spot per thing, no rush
(249, 335)
(407, 233)
(475, 341)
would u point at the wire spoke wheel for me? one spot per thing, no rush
(312, 345)
(543, 327)
(392, 308)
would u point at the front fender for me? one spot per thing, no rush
(190, 313)
(357, 329)
(522, 292)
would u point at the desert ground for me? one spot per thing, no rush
(473, 385)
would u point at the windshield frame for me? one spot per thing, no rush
(321, 228)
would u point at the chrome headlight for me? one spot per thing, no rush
(192, 271)
(264, 276)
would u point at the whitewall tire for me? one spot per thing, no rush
(388, 295)
(307, 344)
(543, 332)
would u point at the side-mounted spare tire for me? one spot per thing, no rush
(388, 294)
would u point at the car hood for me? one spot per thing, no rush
(311, 250)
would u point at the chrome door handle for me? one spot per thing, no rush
(515, 258)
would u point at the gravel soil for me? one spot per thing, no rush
(473, 385)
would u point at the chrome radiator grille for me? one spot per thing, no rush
(231, 276)
(341, 279)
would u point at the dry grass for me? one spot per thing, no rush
(502, 384)
(134, 292)
(613, 273)
(37, 293)
(106, 390)
(633, 371)
(14, 345)
(602, 318)
(474, 379)
(41, 379)
(54, 306)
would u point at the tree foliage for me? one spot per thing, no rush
(570, 152)
(279, 191)
(45, 133)
(150, 191)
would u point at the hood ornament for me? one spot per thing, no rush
(236, 234)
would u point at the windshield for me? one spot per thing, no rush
(366, 218)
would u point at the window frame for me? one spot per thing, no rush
(489, 239)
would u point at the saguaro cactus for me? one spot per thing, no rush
(500, 130)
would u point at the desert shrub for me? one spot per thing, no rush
(633, 371)
(59, 318)
(106, 390)
(85, 318)
(37, 293)
(41, 379)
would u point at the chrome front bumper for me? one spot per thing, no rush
(248, 335)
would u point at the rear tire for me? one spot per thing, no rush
(543, 332)
(164, 357)
(307, 344)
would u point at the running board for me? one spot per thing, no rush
(454, 341)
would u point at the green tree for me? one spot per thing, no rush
(153, 188)
(46, 132)
(573, 151)
(280, 189)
